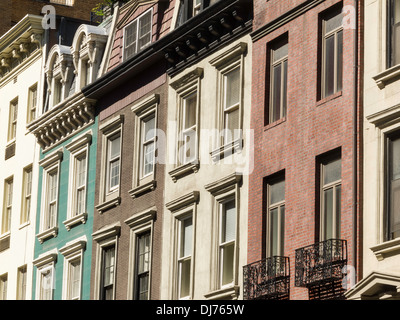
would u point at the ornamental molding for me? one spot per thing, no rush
(61, 122)
(20, 43)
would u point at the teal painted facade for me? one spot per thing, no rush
(64, 236)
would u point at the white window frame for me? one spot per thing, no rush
(223, 191)
(105, 238)
(224, 63)
(51, 163)
(3, 286)
(26, 194)
(109, 198)
(22, 278)
(72, 252)
(7, 205)
(184, 87)
(45, 263)
(137, 21)
(139, 223)
(78, 148)
(143, 110)
(182, 208)
(32, 103)
(13, 120)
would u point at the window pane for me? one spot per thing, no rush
(232, 88)
(284, 88)
(395, 208)
(332, 171)
(232, 125)
(143, 286)
(227, 264)
(396, 44)
(114, 174)
(149, 153)
(339, 60)
(81, 170)
(274, 232)
(115, 147)
(338, 195)
(190, 111)
(149, 129)
(75, 279)
(282, 234)
(329, 65)
(328, 214)
(277, 192)
(144, 253)
(145, 30)
(333, 22)
(109, 256)
(280, 52)
(229, 222)
(395, 159)
(276, 92)
(130, 39)
(185, 278)
(186, 237)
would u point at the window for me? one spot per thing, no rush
(148, 144)
(51, 199)
(74, 280)
(46, 283)
(393, 187)
(145, 142)
(137, 35)
(188, 149)
(32, 103)
(331, 185)
(57, 91)
(191, 8)
(113, 162)
(108, 270)
(332, 52)
(225, 249)
(278, 80)
(7, 209)
(26, 195)
(3, 286)
(230, 85)
(143, 266)
(49, 202)
(12, 123)
(394, 33)
(110, 177)
(276, 217)
(185, 257)
(86, 68)
(231, 96)
(227, 241)
(21, 283)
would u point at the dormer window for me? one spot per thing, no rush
(137, 35)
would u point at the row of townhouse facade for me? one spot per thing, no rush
(202, 149)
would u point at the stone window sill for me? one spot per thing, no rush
(47, 234)
(228, 293)
(143, 188)
(385, 77)
(108, 204)
(184, 170)
(78, 219)
(385, 249)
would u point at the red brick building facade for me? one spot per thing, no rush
(296, 141)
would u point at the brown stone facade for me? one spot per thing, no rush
(143, 81)
(312, 128)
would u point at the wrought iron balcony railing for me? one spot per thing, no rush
(320, 263)
(267, 279)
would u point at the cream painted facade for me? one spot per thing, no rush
(381, 257)
(22, 61)
(196, 193)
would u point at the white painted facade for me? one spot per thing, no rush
(198, 191)
(381, 257)
(18, 74)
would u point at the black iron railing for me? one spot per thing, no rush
(320, 263)
(267, 279)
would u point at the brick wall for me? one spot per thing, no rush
(311, 128)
